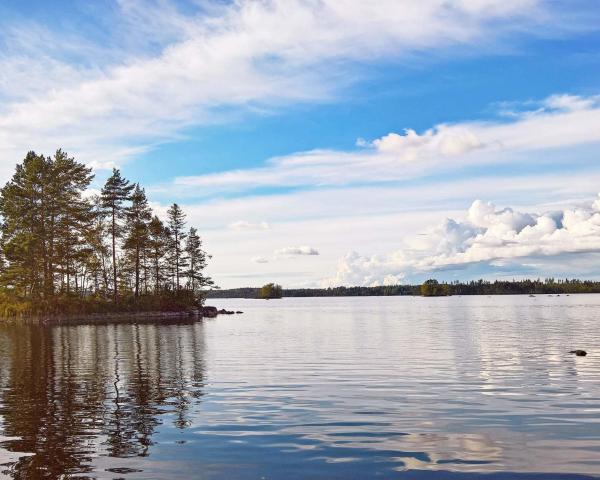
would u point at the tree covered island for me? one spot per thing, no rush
(65, 250)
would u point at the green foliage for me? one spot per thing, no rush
(65, 252)
(45, 216)
(196, 262)
(158, 241)
(271, 290)
(432, 288)
(138, 216)
(115, 192)
(176, 223)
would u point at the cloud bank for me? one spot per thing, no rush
(487, 235)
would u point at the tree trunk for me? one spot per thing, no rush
(114, 258)
(156, 272)
(137, 271)
(177, 260)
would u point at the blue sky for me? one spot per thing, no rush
(281, 126)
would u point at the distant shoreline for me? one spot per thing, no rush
(407, 295)
(430, 288)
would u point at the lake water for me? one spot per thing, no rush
(324, 388)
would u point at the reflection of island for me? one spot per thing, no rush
(70, 394)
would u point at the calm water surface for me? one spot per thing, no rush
(407, 388)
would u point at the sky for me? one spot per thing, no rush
(320, 143)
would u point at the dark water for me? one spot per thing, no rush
(352, 388)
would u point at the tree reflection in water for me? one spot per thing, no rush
(72, 393)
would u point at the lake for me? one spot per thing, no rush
(311, 388)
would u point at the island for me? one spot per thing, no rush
(66, 250)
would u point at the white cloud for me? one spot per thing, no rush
(244, 225)
(111, 102)
(259, 259)
(295, 251)
(440, 141)
(442, 148)
(570, 103)
(488, 235)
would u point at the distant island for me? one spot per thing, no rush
(269, 291)
(65, 250)
(431, 288)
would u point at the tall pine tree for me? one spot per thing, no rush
(115, 192)
(158, 243)
(176, 222)
(196, 262)
(138, 215)
(45, 218)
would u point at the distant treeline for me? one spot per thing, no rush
(431, 288)
(66, 250)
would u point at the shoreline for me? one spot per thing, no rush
(121, 317)
(503, 294)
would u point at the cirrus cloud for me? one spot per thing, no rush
(165, 70)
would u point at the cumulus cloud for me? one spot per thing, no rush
(165, 70)
(244, 225)
(487, 235)
(295, 251)
(441, 140)
(355, 269)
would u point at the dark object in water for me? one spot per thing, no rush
(239, 311)
(209, 312)
(212, 312)
(579, 353)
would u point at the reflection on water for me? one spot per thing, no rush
(73, 393)
(310, 388)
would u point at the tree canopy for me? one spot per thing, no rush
(62, 249)
(271, 290)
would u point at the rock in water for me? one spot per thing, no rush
(209, 312)
(579, 353)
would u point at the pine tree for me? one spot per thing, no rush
(116, 190)
(176, 222)
(138, 215)
(156, 248)
(71, 218)
(196, 261)
(22, 230)
(44, 217)
(97, 241)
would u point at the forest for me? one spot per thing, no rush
(432, 288)
(66, 249)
